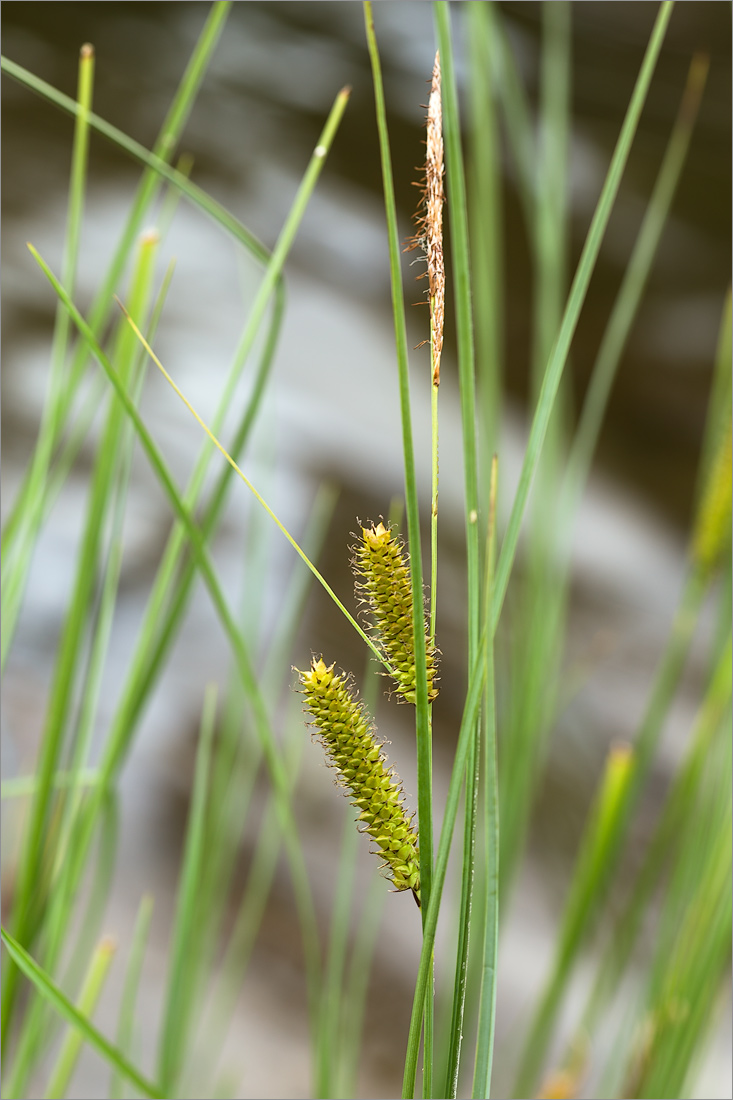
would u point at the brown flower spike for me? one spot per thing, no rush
(429, 218)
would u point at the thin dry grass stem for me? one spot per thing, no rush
(429, 219)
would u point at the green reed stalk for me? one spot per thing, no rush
(487, 1004)
(422, 719)
(461, 268)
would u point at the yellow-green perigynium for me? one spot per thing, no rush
(347, 734)
(383, 579)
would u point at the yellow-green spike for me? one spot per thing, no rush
(383, 579)
(347, 734)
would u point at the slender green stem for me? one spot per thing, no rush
(486, 228)
(71, 1047)
(461, 270)
(17, 551)
(433, 509)
(129, 992)
(487, 1004)
(177, 1018)
(422, 716)
(457, 779)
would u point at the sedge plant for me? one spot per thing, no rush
(515, 624)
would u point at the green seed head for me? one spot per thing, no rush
(362, 767)
(383, 581)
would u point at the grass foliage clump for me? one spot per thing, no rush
(58, 953)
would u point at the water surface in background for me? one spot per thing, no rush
(333, 410)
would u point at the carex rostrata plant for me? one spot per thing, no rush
(347, 732)
(383, 585)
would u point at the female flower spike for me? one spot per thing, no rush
(383, 577)
(347, 734)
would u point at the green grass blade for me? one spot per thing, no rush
(154, 161)
(485, 224)
(590, 870)
(162, 151)
(461, 271)
(239, 649)
(518, 122)
(540, 609)
(25, 785)
(692, 944)
(424, 778)
(39, 1025)
(48, 989)
(21, 531)
(490, 946)
(229, 800)
(129, 992)
(576, 297)
(356, 986)
(632, 288)
(186, 942)
(465, 735)
(719, 400)
(31, 886)
(263, 503)
(102, 627)
(713, 723)
(122, 730)
(422, 708)
(71, 1048)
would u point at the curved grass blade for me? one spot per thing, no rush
(586, 264)
(21, 531)
(67, 1010)
(239, 649)
(163, 149)
(71, 1048)
(129, 991)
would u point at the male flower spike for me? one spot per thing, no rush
(383, 578)
(347, 735)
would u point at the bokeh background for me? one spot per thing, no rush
(333, 414)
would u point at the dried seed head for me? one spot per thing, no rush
(383, 580)
(347, 734)
(429, 219)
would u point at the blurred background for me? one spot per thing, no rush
(332, 414)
